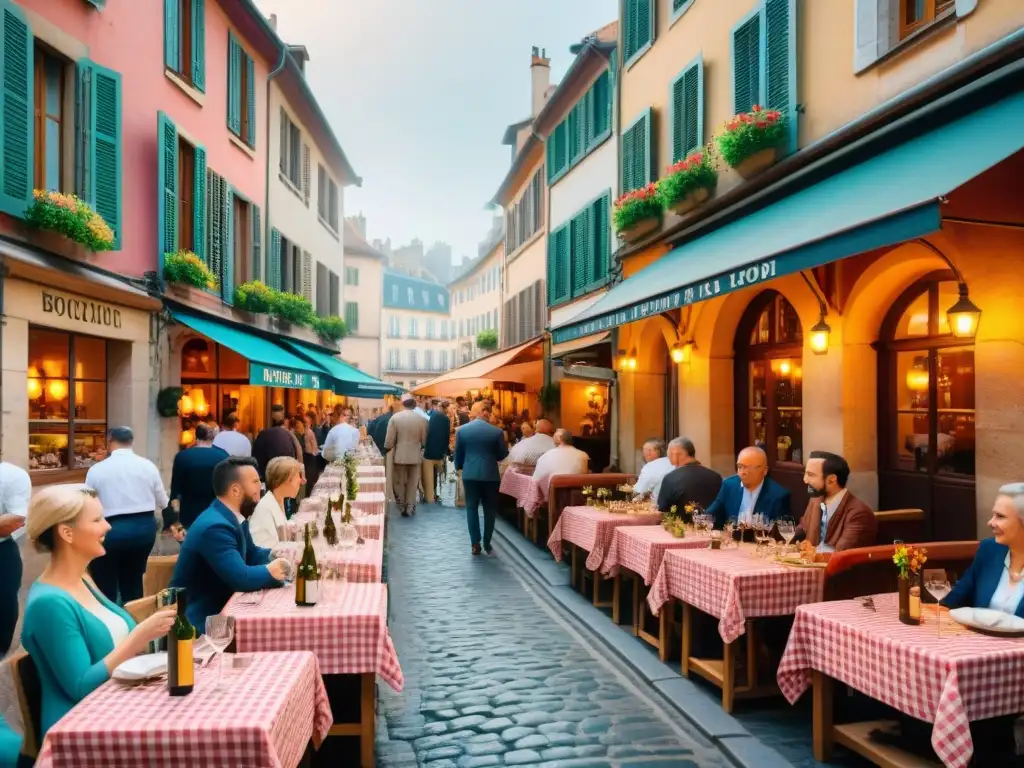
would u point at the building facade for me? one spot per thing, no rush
(362, 299)
(476, 298)
(417, 342)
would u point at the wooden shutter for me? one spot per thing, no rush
(523, 317)
(198, 206)
(99, 167)
(199, 44)
(285, 147)
(234, 85)
(305, 173)
(250, 99)
(579, 258)
(746, 63)
(687, 102)
(167, 183)
(559, 276)
(307, 275)
(600, 109)
(637, 156)
(17, 110)
(172, 29)
(352, 316)
(227, 279)
(541, 318)
(274, 262)
(600, 238)
(214, 203)
(639, 26)
(780, 61)
(257, 244)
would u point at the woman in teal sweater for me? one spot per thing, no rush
(73, 633)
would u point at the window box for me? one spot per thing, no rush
(194, 297)
(641, 229)
(751, 166)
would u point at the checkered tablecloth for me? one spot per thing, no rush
(641, 548)
(591, 529)
(347, 629)
(364, 470)
(947, 681)
(364, 562)
(524, 489)
(733, 585)
(271, 711)
(328, 485)
(372, 484)
(369, 503)
(368, 526)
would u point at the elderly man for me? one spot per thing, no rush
(656, 466)
(563, 459)
(529, 450)
(406, 435)
(750, 492)
(689, 481)
(835, 519)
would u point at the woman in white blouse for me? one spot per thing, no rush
(284, 477)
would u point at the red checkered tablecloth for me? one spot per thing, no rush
(271, 711)
(372, 483)
(368, 526)
(592, 528)
(640, 549)
(347, 629)
(522, 487)
(369, 503)
(361, 563)
(733, 585)
(369, 471)
(947, 681)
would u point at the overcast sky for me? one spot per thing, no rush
(419, 93)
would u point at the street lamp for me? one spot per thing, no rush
(820, 337)
(963, 316)
(682, 353)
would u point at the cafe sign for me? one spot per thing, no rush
(266, 376)
(84, 311)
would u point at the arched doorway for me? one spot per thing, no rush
(768, 397)
(926, 416)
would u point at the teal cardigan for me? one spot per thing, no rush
(68, 645)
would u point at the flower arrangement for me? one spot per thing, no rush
(603, 494)
(689, 182)
(70, 216)
(909, 559)
(254, 296)
(690, 509)
(760, 132)
(635, 207)
(351, 475)
(330, 329)
(187, 268)
(588, 493)
(487, 339)
(672, 523)
(292, 308)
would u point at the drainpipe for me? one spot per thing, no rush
(281, 64)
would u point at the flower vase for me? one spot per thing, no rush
(760, 161)
(909, 601)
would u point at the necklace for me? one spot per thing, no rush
(1015, 576)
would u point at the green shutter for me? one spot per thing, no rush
(257, 244)
(167, 187)
(198, 206)
(351, 316)
(579, 253)
(214, 203)
(687, 102)
(99, 168)
(274, 263)
(250, 99)
(199, 44)
(17, 135)
(234, 85)
(227, 280)
(558, 151)
(172, 28)
(599, 109)
(746, 63)
(558, 265)
(644, 24)
(600, 213)
(637, 156)
(780, 61)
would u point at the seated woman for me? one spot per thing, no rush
(73, 633)
(284, 477)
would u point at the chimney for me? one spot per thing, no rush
(540, 79)
(273, 21)
(358, 224)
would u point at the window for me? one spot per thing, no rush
(288, 262)
(638, 161)
(881, 25)
(335, 291)
(49, 126)
(411, 296)
(443, 362)
(414, 330)
(524, 315)
(291, 151)
(241, 92)
(431, 329)
(916, 14)
(526, 216)
(352, 316)
(578, 252)
(67, 400)
(394, 326)
(638, 33)
(323, 291)
(327, 198)
(228, 248)
(412, 360)
(352, 276)
(679, 7)
(428, 360)
(394, 294)
(188, 200)
(586, 126)
(185, 40)
(393, 359)
(686, 99)
(243, 253)
(426, 298)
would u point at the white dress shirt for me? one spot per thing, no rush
(651, 476)
(264, 521)
(1007, 596)
(233, 443)
(127, 483)
(15, 491)
(341, 439)
(827, 510)
(746, 513)
(562, 460)
(530, 449)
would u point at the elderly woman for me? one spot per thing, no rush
(284, 478)
(76, 636)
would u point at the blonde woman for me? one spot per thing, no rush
(76, 636)
(284, 478)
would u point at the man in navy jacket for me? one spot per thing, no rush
(479, 446)
(192, 476)
(750, 492)
(218, 557)
(439, 430)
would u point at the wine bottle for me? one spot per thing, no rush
(307, 578)
(180, 662)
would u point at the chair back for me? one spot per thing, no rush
(30, 701)
(905, 524)
(567, 490)
(159, 570)
(141, 609)
(870, 570)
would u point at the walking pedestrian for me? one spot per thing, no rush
(406, 435)
(130, 489)
(192, 477)
(479, 446)
(436, 448)
(274, 442)
(15, 492)
(230, 440)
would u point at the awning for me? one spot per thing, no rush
(517, 365)
(888, 199)
(270, 364)
(346, 379)
(561, 350)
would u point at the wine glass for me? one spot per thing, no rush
(220, 631)
(727, 530)
(757, 523)
(787, 529)
(937, 584)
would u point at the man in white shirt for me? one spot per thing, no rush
(342, 438)
(15, 492)
(131, 491)
(563, 459)
(230, 440)
(529, 450)
(654, 470)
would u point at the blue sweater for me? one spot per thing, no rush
(68, 645)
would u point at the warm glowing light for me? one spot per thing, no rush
(35, 389)
(185, 406)
(188, 437)
(819, 338)
(917, 377)
(678, 353)
(202, 409)
(33, 372)
(963, 316)
(57, 389)
(785, 367)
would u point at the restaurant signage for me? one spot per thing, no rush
(81, 310)
(266, 376)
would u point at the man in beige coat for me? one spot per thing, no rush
(406, 435)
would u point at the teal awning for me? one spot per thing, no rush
(887, 199)
(270, 364)
(346, 379)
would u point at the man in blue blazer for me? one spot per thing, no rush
(192, 477)
(218, 556)
(479, 446)
(439, 429)
(750, 492)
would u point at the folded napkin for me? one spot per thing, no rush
(987, 618)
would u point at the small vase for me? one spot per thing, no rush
(692, 199)
(641, 228)
(907, 602)
(749, 167)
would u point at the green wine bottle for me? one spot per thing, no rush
(307, 578)
(180, 661)
(330, 532)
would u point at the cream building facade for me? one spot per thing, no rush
(362, 301)
(476, 301)
(417, 342)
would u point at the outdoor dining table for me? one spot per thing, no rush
(362, 562)
(946, 680)
(368, 526)
(734, 586)
(369, 470)
(521, 486)
(267, 717)
(371, 483)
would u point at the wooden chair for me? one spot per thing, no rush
(905, 524)
(159, 570)
(870, 570)
(141, 609)
(30, 701)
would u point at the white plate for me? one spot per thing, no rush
(988, 620)
(142, 667)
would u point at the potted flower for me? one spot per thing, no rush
(753, 141)
(331, 329)
(909, 560)
(588, 493)
(291, 309)
(487, 340)
(254, 297)
(637, 213)
(68, 218)
(190, 280)
(689, 183)
(603, 495)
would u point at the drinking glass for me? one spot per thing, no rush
(727, 531)
(757, 523)
(937, 584)
(220, 631)
(787, 529)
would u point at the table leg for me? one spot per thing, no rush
(664, 632)
(616, 598)
(751, 655)
(574, 565)
(368, 711)
(638, 610)
(729, 676)
(822, 708)
(684, 667)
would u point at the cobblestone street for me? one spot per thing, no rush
(494, 676)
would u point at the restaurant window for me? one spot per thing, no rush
(49, 126)
(915, 14)
(67, 400)
(215, 381)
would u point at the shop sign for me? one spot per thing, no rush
(262, 375)
(81, 310)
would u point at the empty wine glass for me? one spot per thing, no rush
(727, 530)
(757, 523)
(937, 584)
(787, 529)
(220, 631)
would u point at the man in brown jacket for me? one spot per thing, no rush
(835, 519)
(406, 435)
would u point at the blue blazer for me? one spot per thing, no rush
(192, 480)
(772, 502)
(217, 559)
(976, 587)
(479, 447)
(439, 429)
